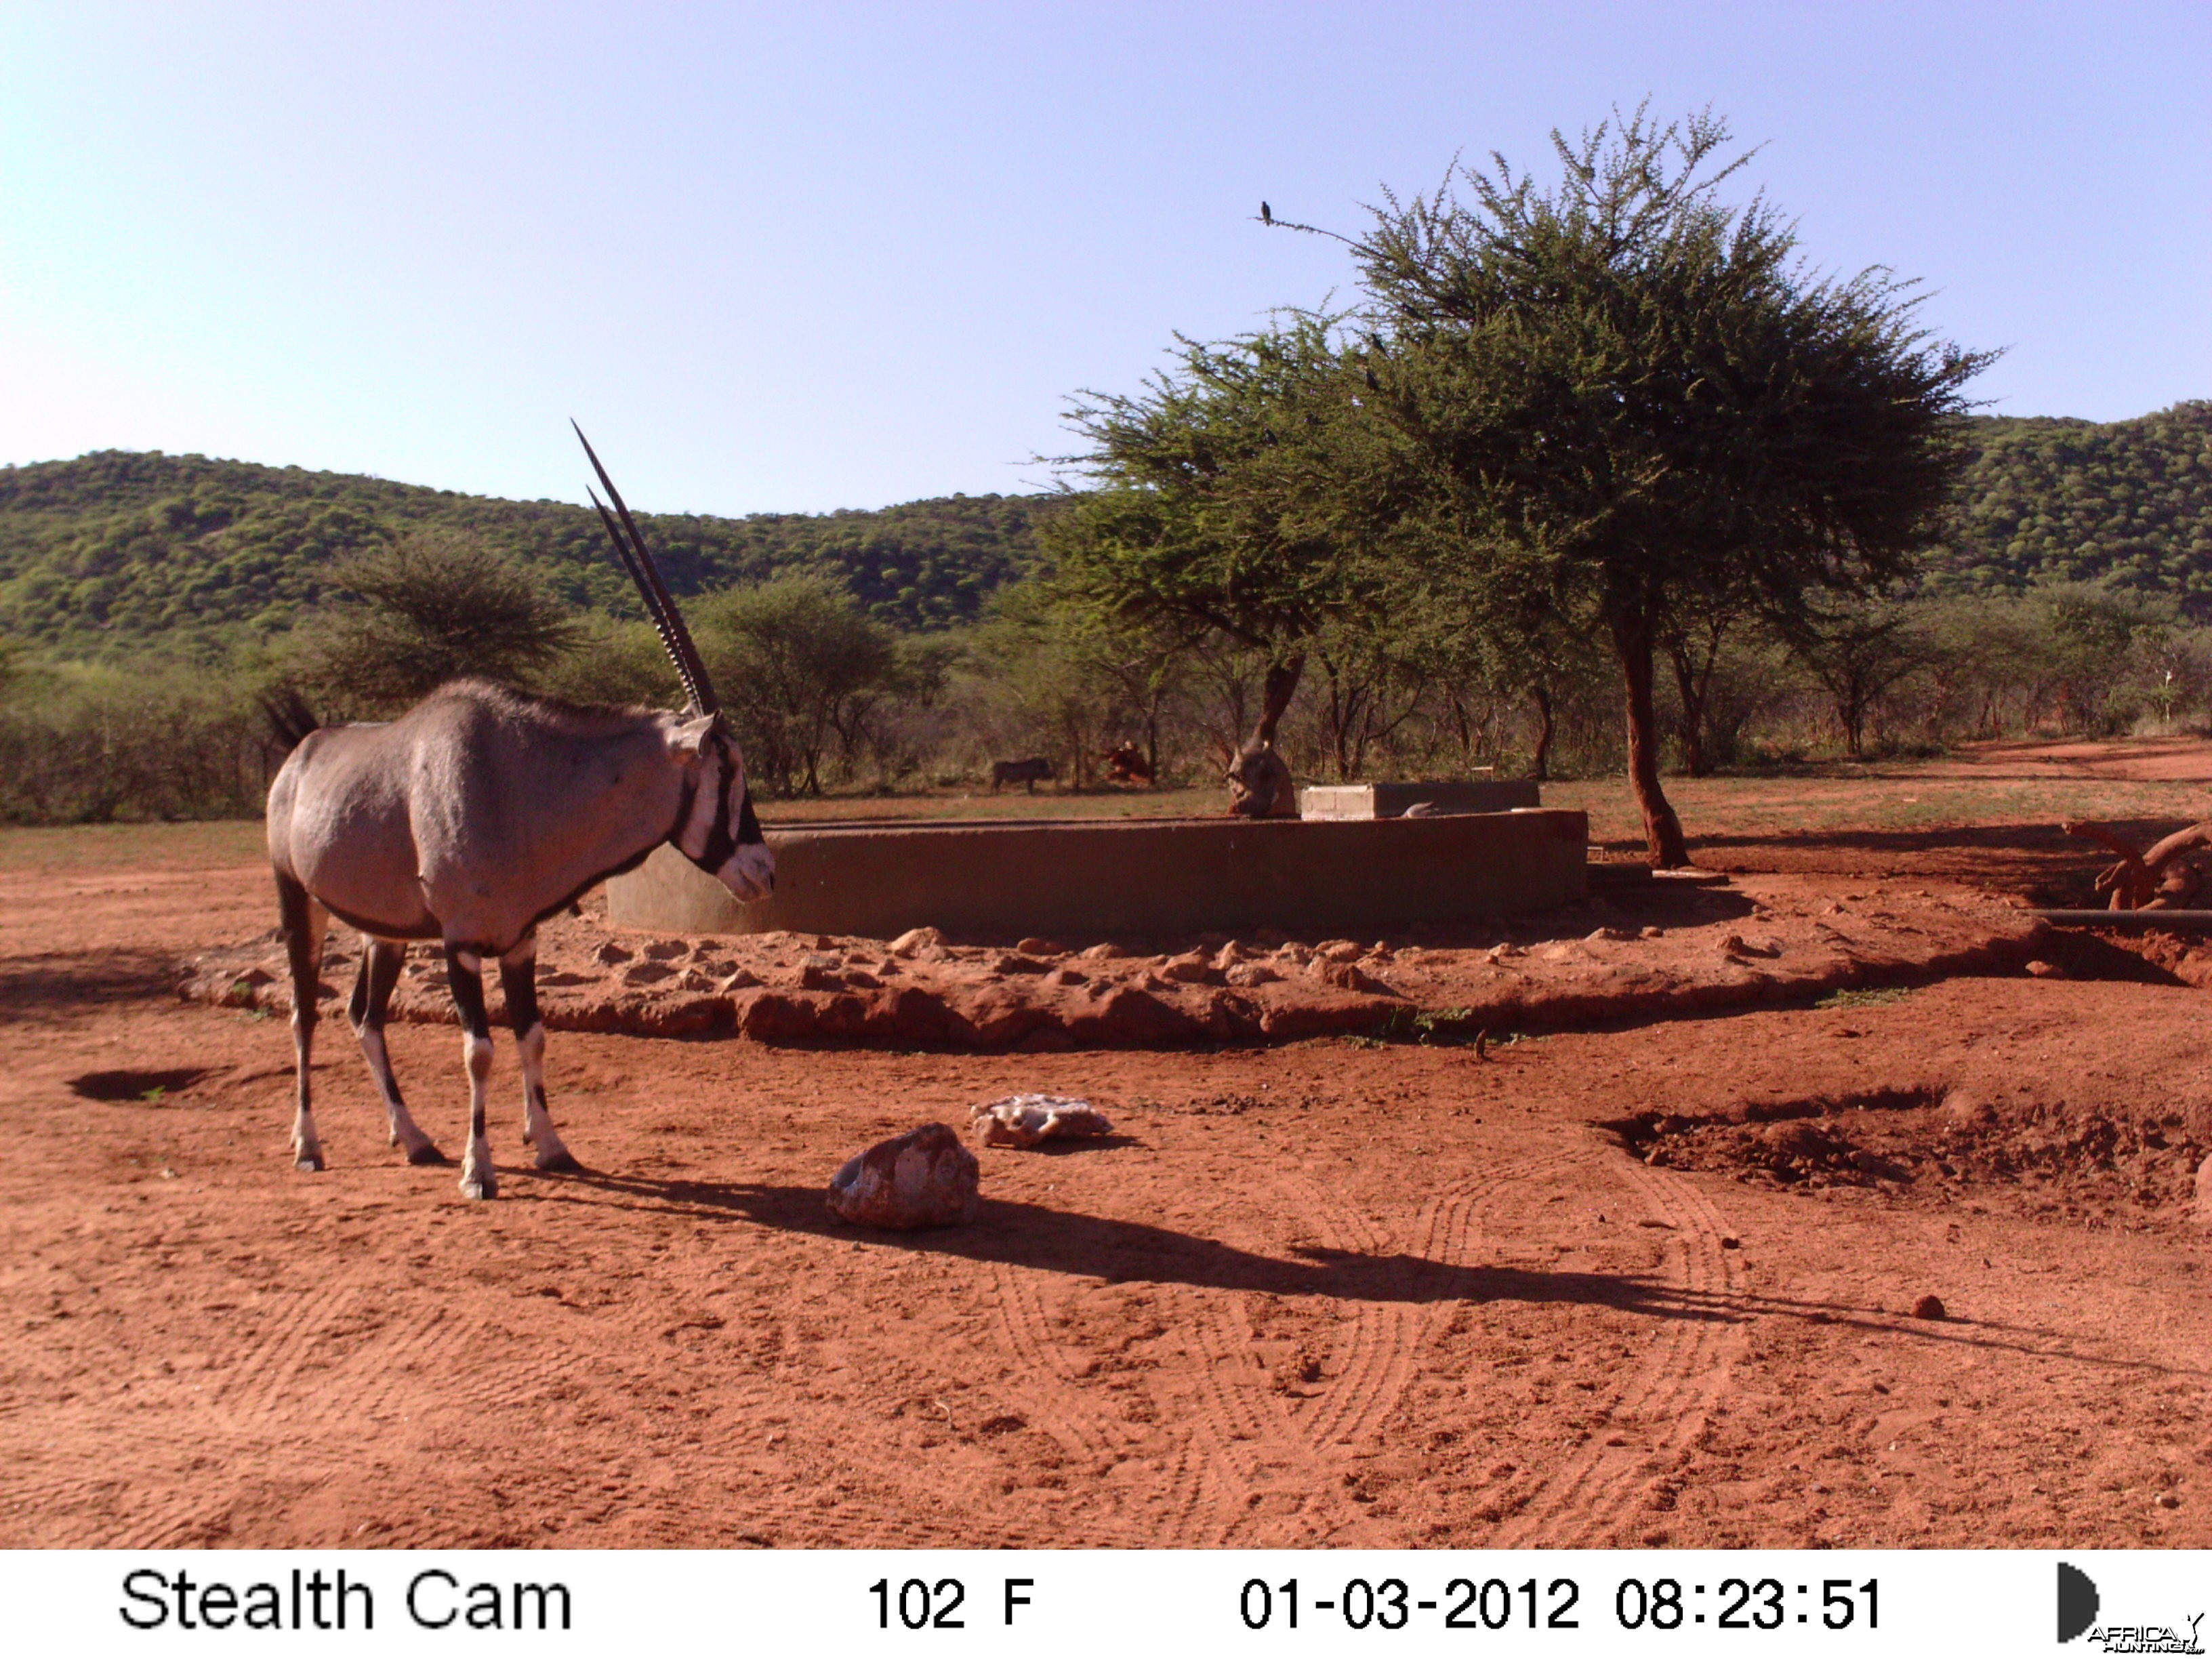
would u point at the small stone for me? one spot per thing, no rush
(1350, 976)
(1651, 932)
(1189, 969)
(2167, 1500)
(1728, 1240)
(815, 976)
(611, 953)
(924, 1178)
(666, 949)
(1602, 935)
(1339, 950)
(743, 980)
(1230, 955)
(1026, 1120)
(915, 940)
(692, 979)
(1106, 952)
(2043, 969)
(1929, 1307)
(647, 973)
(1505, 952)
(1041, 947)
(1246, 975)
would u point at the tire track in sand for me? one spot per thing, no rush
(1271, 1457)
(1684, 1372)
(1055, 1403)
(1383, 1348)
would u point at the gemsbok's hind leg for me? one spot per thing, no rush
(464, 973)
(380, 962)
(303, 921)
(518, 980)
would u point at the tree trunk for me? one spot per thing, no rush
(1693, 685)
(1282, 684)
(1542, 694)
(1662, 830)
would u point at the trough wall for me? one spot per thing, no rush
(1142, 877)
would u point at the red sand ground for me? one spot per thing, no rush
(1639, 1285)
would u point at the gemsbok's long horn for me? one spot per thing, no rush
(659, 604)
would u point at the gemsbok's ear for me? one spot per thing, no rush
(691, 738)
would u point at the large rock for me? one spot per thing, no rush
(923, 1178)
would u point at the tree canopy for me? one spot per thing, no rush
(433, 607)
(1228, 497)
(1633, 394)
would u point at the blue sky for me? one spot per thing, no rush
(786, 258)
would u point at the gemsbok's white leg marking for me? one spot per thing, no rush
(380, 962)
(518, 982)
(464, 973)
(305, 922)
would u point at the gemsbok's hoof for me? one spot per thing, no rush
(484, 1186)
(427, 1153)
(559, 1161)
(309, 1163)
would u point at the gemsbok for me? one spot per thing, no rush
(469, 820)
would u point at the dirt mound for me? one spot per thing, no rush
(1657, 949)
(1990, 1136)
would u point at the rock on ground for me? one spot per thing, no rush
(923, 1178)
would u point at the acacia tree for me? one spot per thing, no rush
(1635, 394)
(1229, 500)
(800, 665)
(435, 606)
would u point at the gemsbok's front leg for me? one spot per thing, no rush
(517, 982)
(464, 973)
(303, 922)
(380, 962)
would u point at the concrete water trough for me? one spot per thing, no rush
(1084, 877)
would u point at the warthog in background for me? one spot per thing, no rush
(1021, 771)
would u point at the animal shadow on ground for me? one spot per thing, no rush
(75, 987)
(1131, 1251)
(147, 1086)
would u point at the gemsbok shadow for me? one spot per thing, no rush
(1114, 1251)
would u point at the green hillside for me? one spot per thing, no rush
(2057, 500)
(114, 550)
